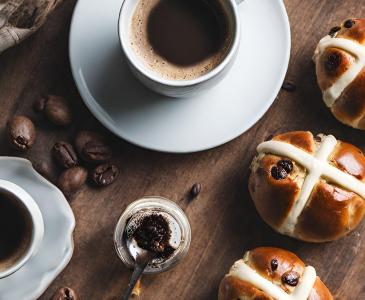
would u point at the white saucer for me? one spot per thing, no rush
(156, 122)
(57, 246)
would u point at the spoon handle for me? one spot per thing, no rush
(137, 272)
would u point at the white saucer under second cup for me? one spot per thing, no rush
(201, 122)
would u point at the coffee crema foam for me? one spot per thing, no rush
(141, 45)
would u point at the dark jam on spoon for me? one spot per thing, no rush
(153, 233)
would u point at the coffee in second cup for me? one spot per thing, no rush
(180, 39)
(16, 230)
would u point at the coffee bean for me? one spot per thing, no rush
(104, 174)
(92, 147)
(84, 137)
(274, 264)
(290, 278)
(21, 133)
(332, 62)
(349, 23)
(64, 293)
(65, 154)
(56, 109)
(278, 173)
(286, 164)
(334, 30)
(195, 190)
(289, 86)
(96, 151)
(72, 179)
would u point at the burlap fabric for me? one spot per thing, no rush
(21, 18)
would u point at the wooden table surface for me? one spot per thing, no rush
(223, 219)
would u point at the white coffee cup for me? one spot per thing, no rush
(37, 224)
(178, 88)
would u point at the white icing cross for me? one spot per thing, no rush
(317, 166)
(358, 50)
(301, 292)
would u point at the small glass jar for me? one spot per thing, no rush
(180, 227)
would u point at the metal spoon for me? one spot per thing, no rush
(142, 258)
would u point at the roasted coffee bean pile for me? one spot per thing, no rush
(89, 150)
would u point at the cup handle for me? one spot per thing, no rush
(239, 1)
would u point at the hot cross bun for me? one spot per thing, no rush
(310, 188)
(272, 274)
(340, 62)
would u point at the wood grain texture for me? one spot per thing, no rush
(223, 219)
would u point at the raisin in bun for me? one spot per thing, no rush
(271, 273)
(310, 188)
(340, 62)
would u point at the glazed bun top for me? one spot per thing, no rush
(272, 273)
(310, 188)
(340, 62)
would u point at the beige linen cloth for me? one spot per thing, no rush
(21, 18)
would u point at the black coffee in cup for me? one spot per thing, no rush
(15, 230)
(180, 39)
